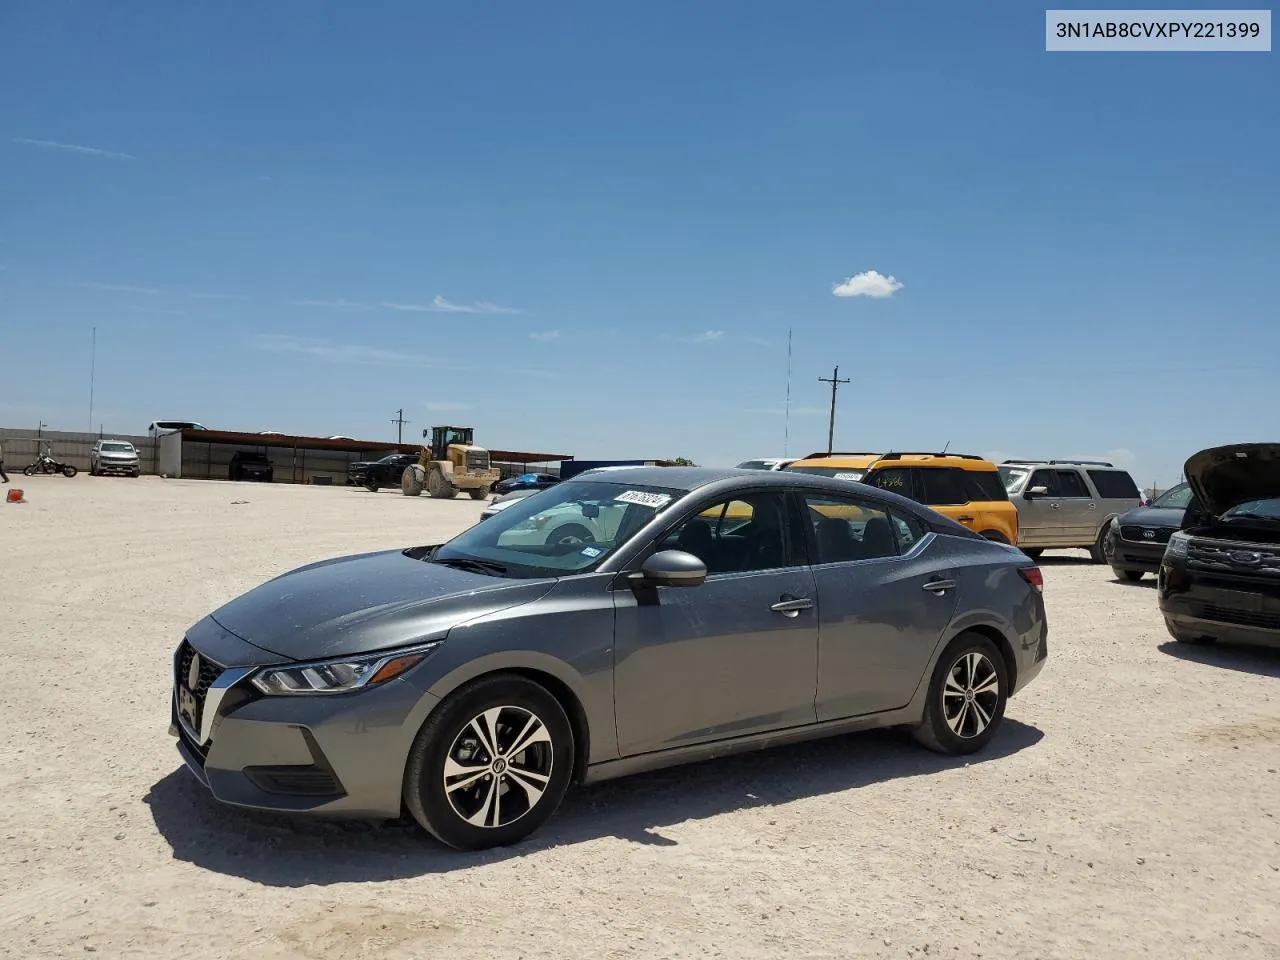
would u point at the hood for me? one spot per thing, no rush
(1152, 517)
(1224, 477)
(364, 603)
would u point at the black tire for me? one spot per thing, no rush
(995, 536)
(69, 471)
(371, 486)
(449, 731)
(29, 471)
(935, 730)
(1033, 552)
(1098, 553)
(479, 493)
(1133, 576)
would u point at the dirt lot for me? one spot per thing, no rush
(1128, 808)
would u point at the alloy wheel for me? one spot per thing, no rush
(498, 767)
(970, 695)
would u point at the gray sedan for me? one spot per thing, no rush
(694, 613)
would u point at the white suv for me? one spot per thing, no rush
(113, 456)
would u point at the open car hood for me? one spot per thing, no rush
(1224, 477)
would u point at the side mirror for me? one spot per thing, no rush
(671, 568)
(1036, 492)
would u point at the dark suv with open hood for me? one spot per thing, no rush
(1220, 575)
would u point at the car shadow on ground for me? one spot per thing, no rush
(1059, 560)
(1149, 582)
(1263, 661)
(282, 851)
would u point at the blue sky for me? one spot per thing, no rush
(587, 228)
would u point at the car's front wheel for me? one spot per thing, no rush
(967, 696)
(491, 764)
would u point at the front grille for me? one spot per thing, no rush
(208, 672)
(1138, 534)
(1241, 558)
(477, 459)
(1247, 618)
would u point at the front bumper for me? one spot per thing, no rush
(338, 755)
(118, 466)
(1231, 610)
(1135, 555)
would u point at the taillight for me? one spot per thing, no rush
(1033, 576)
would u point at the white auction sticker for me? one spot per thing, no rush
(848, 476)
(643, 499)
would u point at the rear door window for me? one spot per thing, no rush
(1114, 484)
(943, 487)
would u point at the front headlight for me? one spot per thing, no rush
(341, 674)
(1177, 545)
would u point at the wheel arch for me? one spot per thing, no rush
(547, 672)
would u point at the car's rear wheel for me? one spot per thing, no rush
(1133, 576)
(967, 696)
(491, 764)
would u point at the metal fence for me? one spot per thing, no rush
(21, 447)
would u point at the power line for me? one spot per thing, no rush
(400, 421)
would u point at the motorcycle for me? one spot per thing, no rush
(47, 465)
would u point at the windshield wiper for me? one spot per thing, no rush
(467, 563)
(1247, 515)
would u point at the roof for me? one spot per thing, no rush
(346, 446)
(964, 461)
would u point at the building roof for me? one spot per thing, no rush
(239, 438)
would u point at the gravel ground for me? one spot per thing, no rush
(1127, 809)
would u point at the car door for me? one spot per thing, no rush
(886, 594)
(1077, 508)
(1040, 517)
(733, 656)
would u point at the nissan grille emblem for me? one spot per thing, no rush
(1148, 534)
(193, 672)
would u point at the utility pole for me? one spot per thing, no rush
(93, 362)
(400, 421)
(835, 382)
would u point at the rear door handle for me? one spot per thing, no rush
(791, 606)
(938, 586)
(965, 519)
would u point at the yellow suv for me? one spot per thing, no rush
(965, 487)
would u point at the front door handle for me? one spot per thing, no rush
(938, 586)
(965, 519)
(791, 606)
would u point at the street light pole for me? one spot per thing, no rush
(835, 382)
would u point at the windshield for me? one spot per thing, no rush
(1176, 498)
(1268, 509)
(566, 529)
(118, 447)
(1013, 477)
(839, 473)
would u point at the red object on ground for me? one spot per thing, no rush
(15, 496)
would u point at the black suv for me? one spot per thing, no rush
(250, 465)
(1220, 576)
(375, 474)
(1136, 539)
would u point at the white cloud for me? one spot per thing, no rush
(338, 352)
(338, 304)
(868, 284)
(75, 148)
(439, 304)
(545, 336)
(707, 336)
(216, 296)
(445, 406)
(118, 288)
